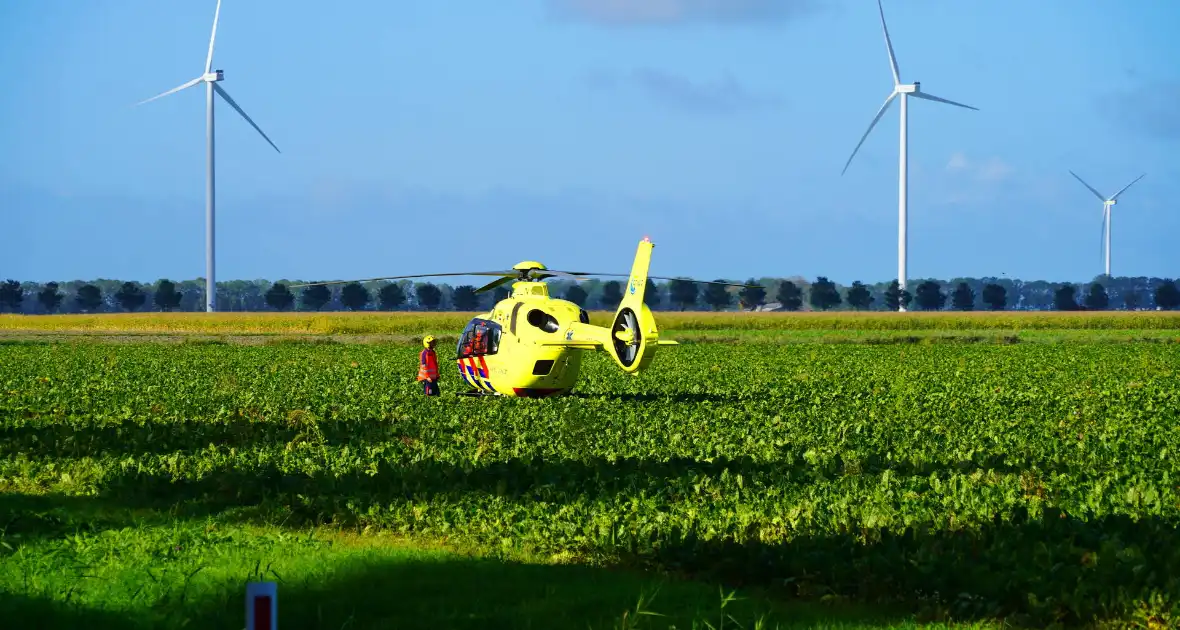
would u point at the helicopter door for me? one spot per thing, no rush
(480, 338)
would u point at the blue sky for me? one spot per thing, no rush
(421, 136)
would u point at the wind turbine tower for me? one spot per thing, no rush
(1106, 204)
(211, 78)
(905, 90)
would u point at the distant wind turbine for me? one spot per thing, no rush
(904, 90)
(210, 78)
(1106, 204)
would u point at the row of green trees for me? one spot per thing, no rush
(929, 296)
(780, 294)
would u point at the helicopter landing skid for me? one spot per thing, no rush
(474, 393)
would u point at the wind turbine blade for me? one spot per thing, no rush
(173, 90)
(880, 112)
(212, 36)
(234, 105)
(1116, 195)
(1096, 193)
(931, 97)
(889, 46)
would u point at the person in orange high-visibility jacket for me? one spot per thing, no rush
(428, 367)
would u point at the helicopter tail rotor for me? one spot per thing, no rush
(634, 337)
(633, 331)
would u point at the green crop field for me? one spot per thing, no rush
(847, 485)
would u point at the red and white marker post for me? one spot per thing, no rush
(262, 606)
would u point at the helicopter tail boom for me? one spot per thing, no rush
(576, 344)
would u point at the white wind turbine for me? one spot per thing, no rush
(913, 89)
(210, 78)
(1106, 204)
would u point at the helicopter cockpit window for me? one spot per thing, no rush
(480, 337)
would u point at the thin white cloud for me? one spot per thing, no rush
(992, 169)
(957, 162)
(969, 180)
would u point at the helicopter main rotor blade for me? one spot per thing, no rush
(624, 275)
(725, 284)
(553, 273)
(495, 283)
(508, 275)
(419, 275)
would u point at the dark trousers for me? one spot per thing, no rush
(430, 387)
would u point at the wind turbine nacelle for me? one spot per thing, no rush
(216, 75)
(907, 89)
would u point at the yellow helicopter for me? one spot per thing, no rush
(530, 345)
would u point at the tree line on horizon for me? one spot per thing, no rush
(788, 294)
